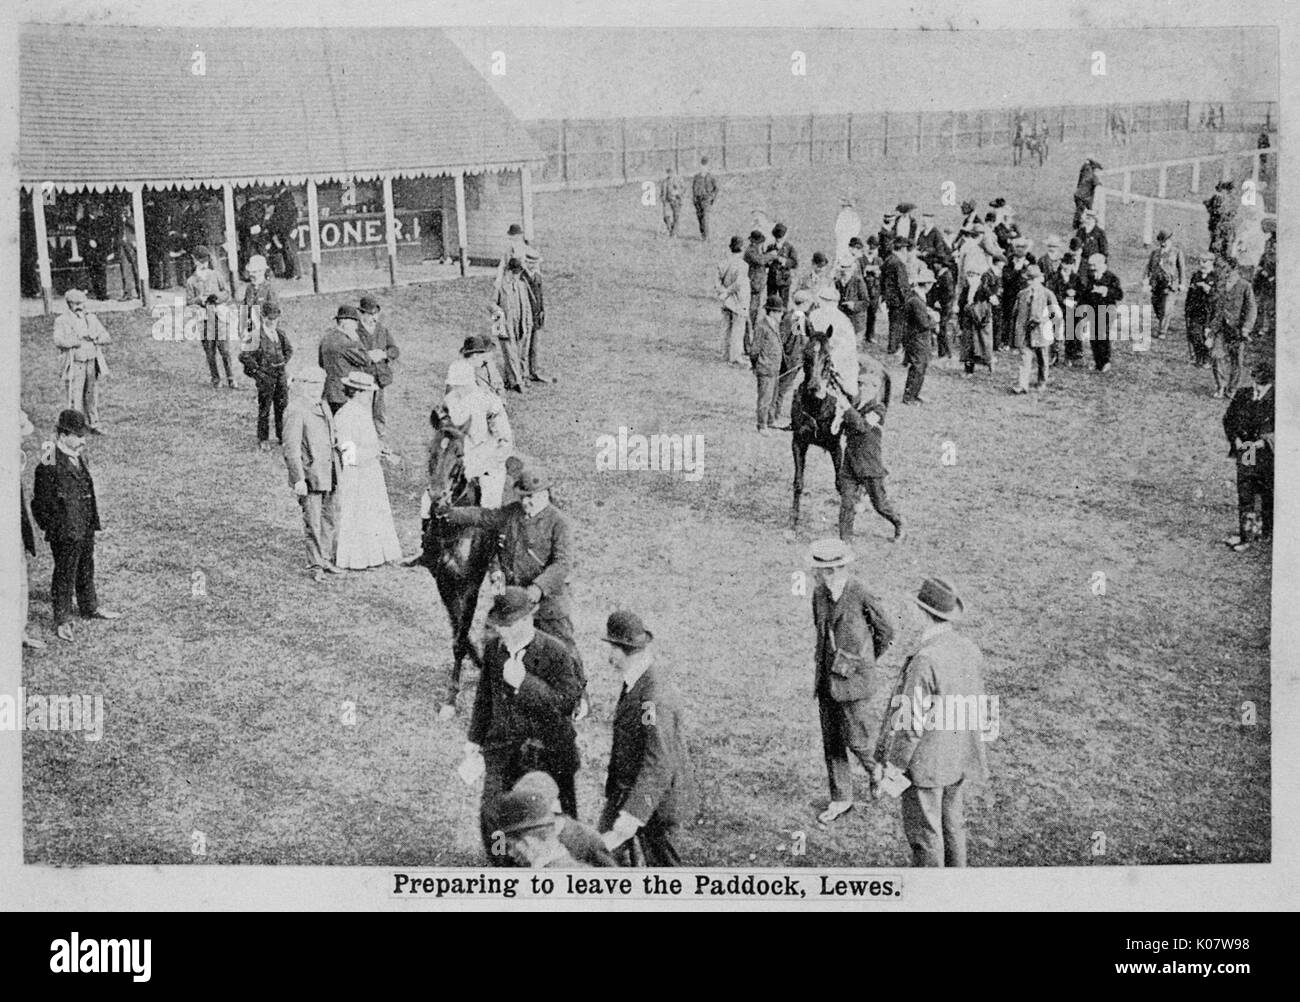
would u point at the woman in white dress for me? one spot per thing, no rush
(366, 536)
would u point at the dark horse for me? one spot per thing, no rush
(457, 556)
(812, 411)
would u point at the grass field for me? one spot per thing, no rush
(1119, 713)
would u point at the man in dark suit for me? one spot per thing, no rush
(342, 351)
(853, 631)
(523, 712)
(895, 288)
(283, 225)
(1249, 424)
(95, 241)
(945, 671)
(383, 351)
(534, 549)
(1101, 293)
(1091, 237)
(783, 261)
(63, 503)
(918, 322)
(704, 189)
(650, 790)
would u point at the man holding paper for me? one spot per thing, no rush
(921, 757)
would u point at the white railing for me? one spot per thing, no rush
(1151, 203)
(1226, 170)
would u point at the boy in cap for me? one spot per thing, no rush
(1164, 278)
(936, 760)
(266, 365)
(650, 790)
(259, 292)
(80, 338)
(64, 506)
(853, 631)
(582, 841)
(341, 352)
(523, 712)
(314, 466)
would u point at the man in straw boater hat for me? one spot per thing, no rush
(523, 713)
(650, 790)
(853, 631)
(933, 734)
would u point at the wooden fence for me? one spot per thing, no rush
(597, 152)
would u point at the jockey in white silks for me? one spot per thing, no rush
(488, 439)
(842, 344)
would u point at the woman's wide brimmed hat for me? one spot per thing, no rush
(830, 552)
(359, 380)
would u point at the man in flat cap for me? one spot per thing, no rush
(919, 323)
(531, 833)
(946, 671)
(341, 352)
(80, 338)
(383, 352)
(895, 289)
(314, 466)
(523, 712)
(650, 790)
(764, 348)
(1165, 277)
(1249, 424)
(64, 506)
(582, 841)
(862, 473)
(853, 631)
(266, 365)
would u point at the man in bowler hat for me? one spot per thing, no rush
(63, 503)
(531, 833)
(523, 712)
(584, 843)
(650, 789)
(946, 668)
(342, 351)
(853, 631)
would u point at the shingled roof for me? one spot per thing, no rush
(101, 106)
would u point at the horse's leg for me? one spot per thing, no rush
(799, 449)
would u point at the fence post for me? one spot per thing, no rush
(1128, 187)
(954, 133)
(979, 129)
(677, 149)
(885, 150)
(1196, 176)
(920, 129)
(769, 140)
(848, 137)
(812, 156)
(1164, 181)
(623, 134)
(724, 142)
(1226, 172)
(1148, 223)
(564, 150)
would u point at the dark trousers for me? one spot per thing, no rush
(1255, 482)
(289, 252)
(74, 570)
(1197, 352)
(846, 727)
(934, 824)
(851, 492)
(1100, 350)
(501, 773)
(702, 214)
(766, 399)
(654, 844)
(212, 345)
(918, 360)
(379, 413)
(126, 261)
(97, 276)
(897, 328)
(785, 382)
(1079, 205)
(272, 392)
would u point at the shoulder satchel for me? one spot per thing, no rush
(844, 663)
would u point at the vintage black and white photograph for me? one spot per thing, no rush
(522, 444)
